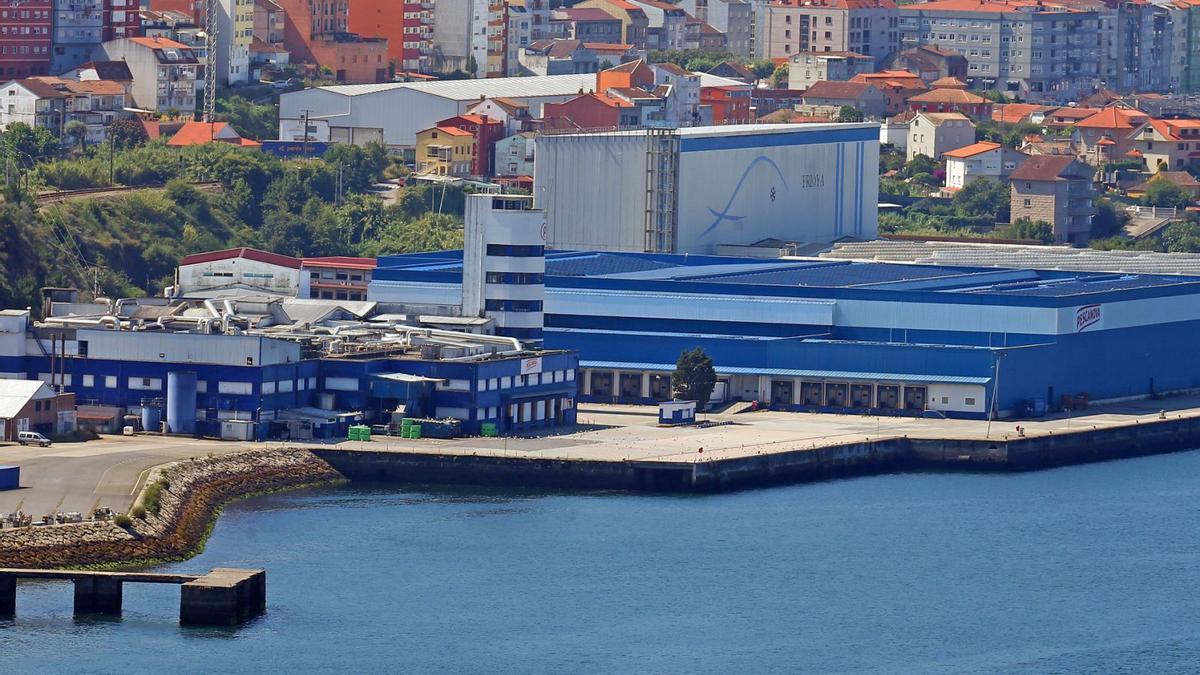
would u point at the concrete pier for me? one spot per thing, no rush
(223, 597)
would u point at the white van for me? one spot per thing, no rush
(32, 438)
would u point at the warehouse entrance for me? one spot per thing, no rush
(889, 396)
(835, 395)
(602, 384)
(914, 398)
(660, 387)
(781, 393)
(811, 393)
(860, 395)
(631, 386)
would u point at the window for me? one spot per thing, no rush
(970, 400)
(89, 381)
(1026, 203)
(110, 381)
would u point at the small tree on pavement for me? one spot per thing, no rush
(694, 376)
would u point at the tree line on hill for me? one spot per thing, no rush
(130, 244)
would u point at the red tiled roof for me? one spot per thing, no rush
(972, 150)
(243, 252)
(838, 4)
(604, 47)
(1015, 113)
(832, 89)
(1042, 167)
(993, 6)
(157, 43)
(453, 131)
(1169, 129)
(951, 96)
(199, 133)
(348, 262)
(1114, 118)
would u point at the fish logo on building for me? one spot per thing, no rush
(723, 215)
(1086, 316)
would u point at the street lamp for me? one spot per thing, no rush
(996, 356)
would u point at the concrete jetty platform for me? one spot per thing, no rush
(624, 449)
(223, 597)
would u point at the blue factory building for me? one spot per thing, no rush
(294, 381)
(816, 334)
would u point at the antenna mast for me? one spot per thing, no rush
(210, 67)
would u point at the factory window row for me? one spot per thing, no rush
(513, 305)
(515, 251)
(533, 379)
(514, 278)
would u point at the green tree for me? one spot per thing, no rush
(1162, 192)
(849, 113)
(126, 133)
(694, 377)
(76, 130)
(250, 119)
(983, 197)
(779, 77)
(1109, 221)
(1035, 230)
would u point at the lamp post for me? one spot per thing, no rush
(996, 356)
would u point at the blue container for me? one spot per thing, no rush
(181, 402)
(10, 477)
(151, 418)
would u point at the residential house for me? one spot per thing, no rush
(952, 100)
(808, 68)
(1167, 145)
(318, 33)
(1180, 179)
(680, 91)
(32, 405)
(860, 26)
(485, 131)
(634, 23)
(729, 104)
(734, 71)
(897, 86)
(765, 101)
(164, 72)
(934, 134)
(1017, 113)
(268, 21)
(931, 62)
(1105, 136)
(512, 113)
(666, 25)
(336, 277)
(32, 102)
(445, 151)
(590, 111)
(1056, 189)
(893, 130)
(733, 18)
(1060, 119)
(587, 24)
(514, 154)
(201, 133)
(267, 56)
(557, 57)
(610, 54)
(980, 160)
(861, 96)
(707, 38)
(230, 63)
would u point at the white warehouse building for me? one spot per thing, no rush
(694, 189)
(394, 112)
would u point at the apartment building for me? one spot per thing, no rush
(52, 103)
(634, 22)
(734, 18)
(407, 26)
(317, 32)
(666, 25)
(1056, 189)
(164, 72)
(807, 68)
(26, 38)
(868, 27)
(1031, 48)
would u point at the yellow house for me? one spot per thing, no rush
(635, 25)
(445, 151)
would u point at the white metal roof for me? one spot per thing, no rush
(15, 394)
(725, 130)
(509, 87)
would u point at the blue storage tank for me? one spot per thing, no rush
(151, 418)
(181, 402)
(10, 477)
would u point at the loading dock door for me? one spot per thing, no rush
(631, 385)
(602, 384)
(889, 396)
(660, 387)
(836, 394)
(781, 392)
(811, 393)
(914, 398)
(860, 395)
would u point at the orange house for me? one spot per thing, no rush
(730, 105)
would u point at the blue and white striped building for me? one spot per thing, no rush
(833, 334)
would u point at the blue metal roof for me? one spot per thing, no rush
(601, 264)
(788, 372)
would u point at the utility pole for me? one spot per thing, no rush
(210, 49)
(304, 122)
(110, 160)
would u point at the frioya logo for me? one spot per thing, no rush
(724, 214)
(1088, 315)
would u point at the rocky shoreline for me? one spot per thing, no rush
(195, 489)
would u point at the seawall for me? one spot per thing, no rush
(197, 488)
(889, 454)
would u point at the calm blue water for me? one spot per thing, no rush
(1091, 568)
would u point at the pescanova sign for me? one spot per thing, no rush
(1086, 317)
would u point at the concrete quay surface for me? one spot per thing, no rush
(109, 472)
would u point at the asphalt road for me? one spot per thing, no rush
(80, 476)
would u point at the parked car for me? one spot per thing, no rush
(32, 438)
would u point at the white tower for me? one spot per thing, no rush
(504, 262)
